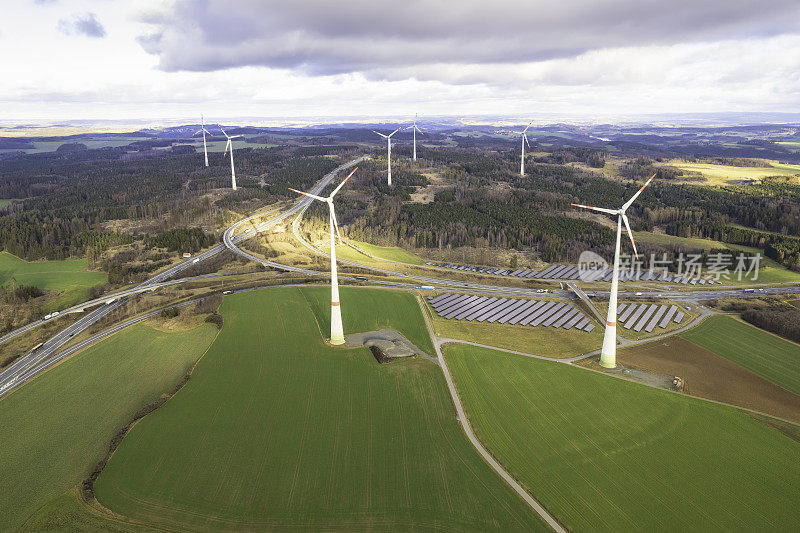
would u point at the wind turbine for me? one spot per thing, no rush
(337, 332)
(608, 354)
(388, 150)
(229, 146)
(415, 129)
(524, 142)
(204, 130)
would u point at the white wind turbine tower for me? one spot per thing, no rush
(524, 142)
(204, 131)
(608, 354)
(337, 331)
(388, 151)
(229, 146)
(415, 129)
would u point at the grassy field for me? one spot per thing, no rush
(767, 355)
(392, 253)
(58, 427)
(277, 429)
(63, 275)
(723, 174)
(6, 201)
(368, 310)
(604, 454)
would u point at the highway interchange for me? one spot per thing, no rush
(31, 364)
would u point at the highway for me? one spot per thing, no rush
(30, 364)
(35, 362)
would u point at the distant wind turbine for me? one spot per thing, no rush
(608, 354)
(524, 142)
(229, 146)
(415, 129)
(204, 131)
(388, 151)
(337, 331)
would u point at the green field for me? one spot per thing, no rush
(381, 252)
(277, 429)
(49, 275)
(392, 253)
(56, 428)
(442, 479)
(767, 355)
(6, 201)
(368, 310)
(607, 454)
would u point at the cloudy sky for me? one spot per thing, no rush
(94, 59)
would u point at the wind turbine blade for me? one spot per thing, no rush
(526, 140)
(381, 134)
(315, 197)
(227, 145)
(342, 183)
(195, 133)
(335, 223)
(395, 131)
(528, 126)
(205, 130)
(630, 234)
(419, 130)
(629, 202)
(223, 131)
(602, 210)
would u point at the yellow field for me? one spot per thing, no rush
(724, 174)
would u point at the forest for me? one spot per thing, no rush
(68, 196)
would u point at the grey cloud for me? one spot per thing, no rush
(86, 24)
(387, 40)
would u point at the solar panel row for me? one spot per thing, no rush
(509, 311)
(573, 273)
(647, 317)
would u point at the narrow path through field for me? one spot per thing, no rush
(462, 417)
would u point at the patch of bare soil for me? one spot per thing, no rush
(707, 375)
(424, 195)
(386, 344)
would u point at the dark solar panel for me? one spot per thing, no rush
(645, 317)
(634, 317)
(656, 317)
(547, 314)
(514, 312)
(536, 314)
(522, 315)
(624, 316)
(565, 317)
(668, 316)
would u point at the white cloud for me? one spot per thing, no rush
(624, 57)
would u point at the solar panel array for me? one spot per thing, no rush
(494, 310)
(647, 316)
(571, 272)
